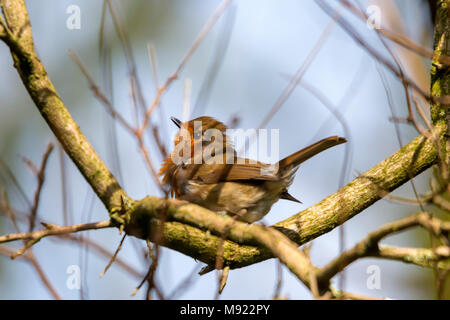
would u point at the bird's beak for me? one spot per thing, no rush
(176, 121)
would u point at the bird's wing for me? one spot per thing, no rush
(215, 173)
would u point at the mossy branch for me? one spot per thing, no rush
(440, 73)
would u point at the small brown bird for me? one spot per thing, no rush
(204, 169)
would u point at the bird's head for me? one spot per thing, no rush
(200, 133)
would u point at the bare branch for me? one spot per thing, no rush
(41, 178)
(300, 72)
(205, 30)
(100, 96)
(34, 237)
(425, 257)
(113, 258)
(373, 52)
(368, 247)
(397, 38)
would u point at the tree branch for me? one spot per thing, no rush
(428, 258)
(189, 239)
(51, 107)
(34, 237)
(369, 246)
(40, 175)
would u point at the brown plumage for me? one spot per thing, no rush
(239, 187)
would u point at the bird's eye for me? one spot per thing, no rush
(197, 135)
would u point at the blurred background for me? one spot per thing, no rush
(239, 71)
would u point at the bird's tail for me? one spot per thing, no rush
(295, 159)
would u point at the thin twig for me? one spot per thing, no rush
(299, 74)
(55, 230)
(98, 93)
(41, 178)
(113, 258)
(203, 32)
(373, 52)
